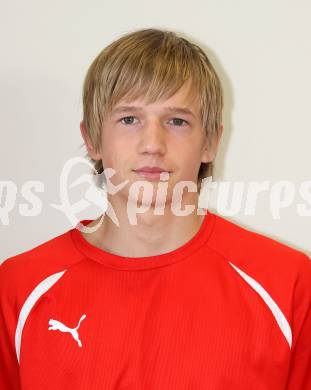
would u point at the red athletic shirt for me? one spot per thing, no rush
(228, 310)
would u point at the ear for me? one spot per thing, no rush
(90, 149)
(210, 150)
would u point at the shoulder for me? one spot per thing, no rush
(19, 274)
(257, 252)
(279, 273)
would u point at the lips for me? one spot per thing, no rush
(151, 173)
(151, 170)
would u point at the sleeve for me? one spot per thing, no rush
(9, 367)
(299, 377)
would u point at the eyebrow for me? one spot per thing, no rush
(180, 110)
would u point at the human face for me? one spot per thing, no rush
(166, 134)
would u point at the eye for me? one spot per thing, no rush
(179, 121)
(126, 120)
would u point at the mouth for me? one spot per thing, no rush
(150, 174)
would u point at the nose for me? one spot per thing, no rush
(152, 138)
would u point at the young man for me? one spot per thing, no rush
(179, 299)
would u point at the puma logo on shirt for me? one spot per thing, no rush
(57, 325)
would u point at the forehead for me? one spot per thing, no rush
(184, 101)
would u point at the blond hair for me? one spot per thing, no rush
(152, 63)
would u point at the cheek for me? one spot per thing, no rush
(189, 161)
(190, 168)
(189, 153)
(116, 153)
